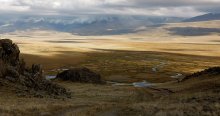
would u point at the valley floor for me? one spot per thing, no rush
(122, 59)
(195, 97)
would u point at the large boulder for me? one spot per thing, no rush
(30, 81)
(83, 75)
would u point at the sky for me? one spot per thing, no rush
(176, 8)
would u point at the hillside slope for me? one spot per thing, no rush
(205, 17)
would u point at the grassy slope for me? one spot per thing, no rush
(193, 97)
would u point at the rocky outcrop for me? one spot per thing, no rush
(83, 75)
(9, 52)
(26, 81)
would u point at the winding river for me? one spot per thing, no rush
(135, 84)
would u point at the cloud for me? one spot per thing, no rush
(12, 6)
(180, 8)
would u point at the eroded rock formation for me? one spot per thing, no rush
(25, 81)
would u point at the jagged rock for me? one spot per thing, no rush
(31, 81)
(22, 67)
(2, 68)
(10, 79)
(83, 75)
(37, 71)
(9, 52)
(36, 68)
(12, 72)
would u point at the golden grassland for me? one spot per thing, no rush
(128, 66)
(122, 58)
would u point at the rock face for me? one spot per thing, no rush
(83, 75)
(29, 81)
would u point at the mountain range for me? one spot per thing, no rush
(84, 25)
(93, 25)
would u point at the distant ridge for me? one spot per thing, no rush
(205, 17)
(84, 25)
